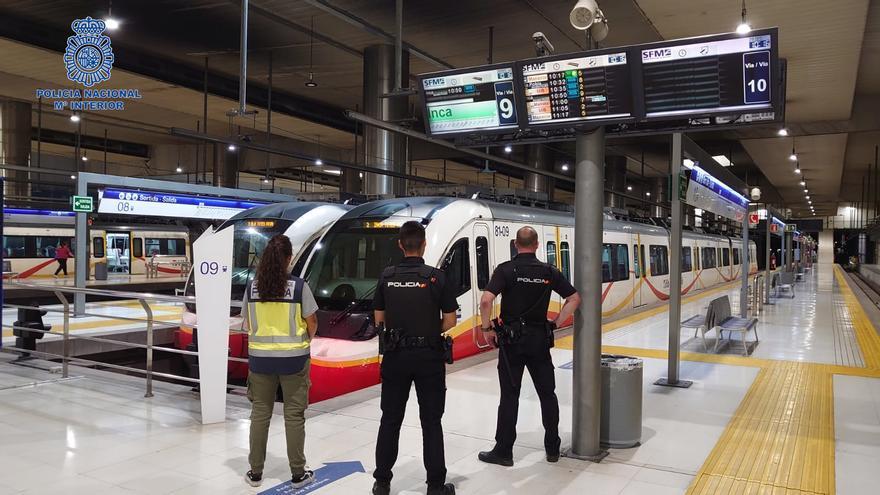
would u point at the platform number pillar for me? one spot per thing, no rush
(212, 268)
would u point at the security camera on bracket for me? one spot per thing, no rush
(543, 47)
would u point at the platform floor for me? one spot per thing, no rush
(799, 416)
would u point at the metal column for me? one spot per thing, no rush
(672, 362)
(382, 148)
(767, 272)
(744, 258)
(587, 383)
(615, 181)
(80, 254)
(539, 157)
(15, 146)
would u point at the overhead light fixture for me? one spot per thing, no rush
(797, 169)
(806, 190)
(265, 180)
(508, 149)
(688, 163)
(232, 147)
(74, 117)
(629, 188)
(803, 183)
(361, 175)
(333, 171)
(648, 194)
(178, 169)
(783, 132)
(85, 158)
(565, 167)
(744, 27)
(73, 177)
(110, 22)
(319, 162)
(793, 156)
(311, 82)
(723, 160)
(808, 197)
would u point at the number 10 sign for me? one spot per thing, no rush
(756, 77)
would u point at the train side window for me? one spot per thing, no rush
(14, 246)
(482, 253)
(98, 247)
(551, 253)
(621, 262)
(686, 262)
(725, 257)
(606, 263)
(735, 256)
(708, 257)
(659, 260)
(636, 261)
(457, 267)
(696, 258)
(565, 254)
(137, 248)
(512, 249)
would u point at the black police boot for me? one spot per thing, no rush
(553, 453)
(491, 457)
(381, 488)
(447, 489)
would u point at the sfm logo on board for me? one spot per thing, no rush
(89, 56)
(657, 54)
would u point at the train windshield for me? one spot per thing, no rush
(249, 239)
(347, 264)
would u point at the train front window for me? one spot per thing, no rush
(347, 264)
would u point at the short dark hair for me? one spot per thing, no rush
(526, 237)
(412, 235)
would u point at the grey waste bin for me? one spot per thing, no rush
(621, 425)
(100, 271)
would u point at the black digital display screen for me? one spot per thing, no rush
(578, 89)
(470, 101)
(711, 76)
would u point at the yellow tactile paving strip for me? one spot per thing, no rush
(869, 341)
(780, 440)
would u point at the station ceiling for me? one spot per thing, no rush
(833, 53)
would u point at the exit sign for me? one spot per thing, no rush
(82, 204)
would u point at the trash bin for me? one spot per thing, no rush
(621, 424)
(100, 271)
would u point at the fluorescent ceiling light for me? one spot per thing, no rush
(723, 160)
(688, 163)
(333, 171)
(783, 132)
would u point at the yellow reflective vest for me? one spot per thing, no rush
(277, 328)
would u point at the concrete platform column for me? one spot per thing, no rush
(539, 157)
(226, 165)
(615, 181)
(15, 146)
(383, 149)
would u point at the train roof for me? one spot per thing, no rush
(284, 211)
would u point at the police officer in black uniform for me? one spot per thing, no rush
(524, 336)
(409, 300)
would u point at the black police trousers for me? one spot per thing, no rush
(532, 353)
(400, 369)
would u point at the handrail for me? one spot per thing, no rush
(107, 293)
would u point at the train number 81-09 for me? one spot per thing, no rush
(502, 231)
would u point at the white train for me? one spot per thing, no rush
(30, 238)
(469, 238)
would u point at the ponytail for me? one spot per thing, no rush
(272, 272)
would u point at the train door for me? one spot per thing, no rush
(484, 263)
(118, 252)
(638, 271)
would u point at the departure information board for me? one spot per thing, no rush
(482, 100)
(710, 77)
(581, 89)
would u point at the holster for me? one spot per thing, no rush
(389, 338)
(447, 350)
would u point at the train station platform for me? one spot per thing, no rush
(800, 415)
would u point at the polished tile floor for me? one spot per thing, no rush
(95, 433)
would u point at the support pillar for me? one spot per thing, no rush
(15, 146)
(226, 165)
(767, 248)
(539, 157)
(744, 258)
(587, 383)
(672, 379)
(350, 182)
(383, 149)
(659, 194)
(615, 181)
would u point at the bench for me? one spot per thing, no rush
(698, 323)
(720, 319)
(784, 282)
(799, 275)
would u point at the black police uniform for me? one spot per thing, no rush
(413, 295)
(525, 284)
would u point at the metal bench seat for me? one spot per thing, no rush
(698, 323)
(720, 319)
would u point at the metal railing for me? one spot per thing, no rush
(756, 294)
(150, 321)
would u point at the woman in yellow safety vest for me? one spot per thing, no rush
(279, 314)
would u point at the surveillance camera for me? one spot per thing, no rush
(543, 47)
(584, 14)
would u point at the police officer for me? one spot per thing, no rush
(409, 300)
(524, 336)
